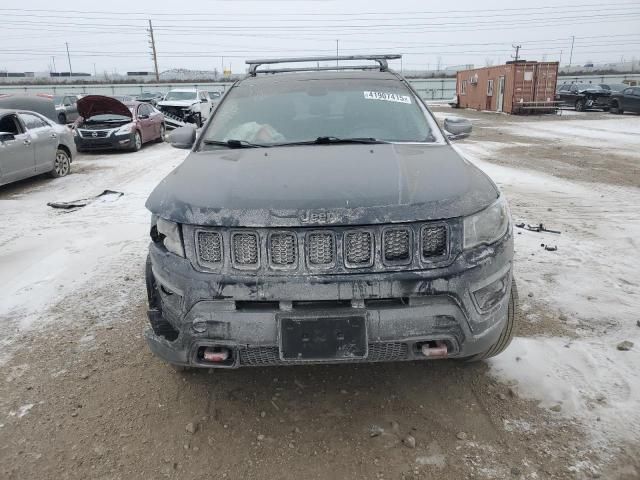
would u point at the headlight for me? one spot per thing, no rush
(123, 130)
(488, 225)
(171, 233)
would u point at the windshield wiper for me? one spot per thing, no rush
(335, 140)
(233, 143)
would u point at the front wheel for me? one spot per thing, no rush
(137, 142)
(509, 330)
(62, 119)
(615, 108)
(160, 139)
(61, 165)
(580, 105)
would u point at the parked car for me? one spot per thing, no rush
(150, 97)
(106, 123)
(627, 100)
(41, 103)
(31, 144)
(321, 217)
(613, 87)
(583, 96)
(66, 108)
(189, 105)
(124, 98)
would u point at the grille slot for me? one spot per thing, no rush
(434, 241)
(321, 249)
(358, 249)
(283, 250)
(245, 249)
(210, 248)
(397, 245)
(90, 133)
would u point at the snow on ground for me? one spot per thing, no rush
(49, 254)
(591, 283)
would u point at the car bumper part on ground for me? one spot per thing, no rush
(112, 142)
(402, 311)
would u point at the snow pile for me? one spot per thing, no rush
(590, 285)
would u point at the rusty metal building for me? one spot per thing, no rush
(516, 87)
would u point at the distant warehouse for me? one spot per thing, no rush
(516, 87)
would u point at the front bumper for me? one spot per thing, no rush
(112, 142)
(403, 310)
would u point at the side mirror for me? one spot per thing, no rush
(457, 127)
(183, 137)
(6, 136)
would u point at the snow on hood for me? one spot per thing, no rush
(99, 105)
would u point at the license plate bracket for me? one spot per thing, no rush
(332, 337)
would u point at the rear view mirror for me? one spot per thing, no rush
(6, 136)
(183, 137)
(457, 127)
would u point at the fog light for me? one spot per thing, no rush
(490, 295)
(199, 326)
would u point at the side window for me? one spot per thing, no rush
(31, 121)
(10, 124)
(573, 88)
(203, 96)
(463, 87)
(636, 91)
(142, 110)
(628, 91)
(68, 101)
(490, 88)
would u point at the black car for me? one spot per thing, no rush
(626, 101)
(583, 96)
(322, 217)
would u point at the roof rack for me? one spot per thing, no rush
(381, 59)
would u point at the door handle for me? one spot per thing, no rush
(27, 142)
(53, 135)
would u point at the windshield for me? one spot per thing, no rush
(181, 96)
(273, 113)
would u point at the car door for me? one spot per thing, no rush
(145, 122)
(633, 100)
(564, 92)
(44, 140)
(156, 120)
(70, 108)
(17, 157)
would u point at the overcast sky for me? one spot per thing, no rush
(202, 34)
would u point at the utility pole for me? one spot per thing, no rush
(571, 54)
(153, 51)
(69, 58)
(337, 51)
(53, 60)
(560, 61)
(517, 56)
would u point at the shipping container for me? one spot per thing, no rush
(516, 87)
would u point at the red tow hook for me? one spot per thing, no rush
(440, 349)
(215, 355)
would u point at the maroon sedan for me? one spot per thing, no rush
(106, 123)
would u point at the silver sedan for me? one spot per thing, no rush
(31, 144)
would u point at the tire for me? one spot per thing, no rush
(615, 108)
(510, 328)
(62, 119)
(137, 142)
(580, 105)
(61, 165)
(163, 131)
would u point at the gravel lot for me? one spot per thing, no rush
(82, 397)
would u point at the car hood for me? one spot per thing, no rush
(99, 105)
(318, 185)
(177, 103)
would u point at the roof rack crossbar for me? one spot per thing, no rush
(380, 59)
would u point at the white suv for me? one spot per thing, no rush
(188, 105)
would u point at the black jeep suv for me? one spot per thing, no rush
(323, 216)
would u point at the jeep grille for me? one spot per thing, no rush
(434, 241)
(321, 249)
(284, 251)
(245, 249)
(358, 248)
(397, 245)
(210, 247)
